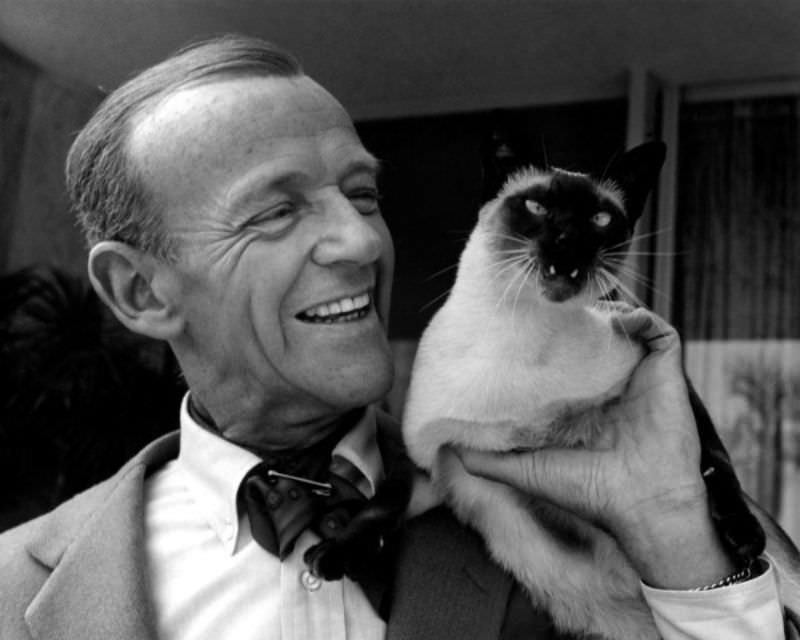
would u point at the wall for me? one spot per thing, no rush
(39, 115)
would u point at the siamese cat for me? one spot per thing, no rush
(522, 356)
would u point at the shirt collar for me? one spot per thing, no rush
(214, 468)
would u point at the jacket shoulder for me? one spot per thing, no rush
(15, 542)
(29, 551)
(21, 577)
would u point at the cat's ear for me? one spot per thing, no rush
(636, 173)
(503, 153)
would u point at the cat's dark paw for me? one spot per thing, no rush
(326, 560)
(740, 531)
(333, 559)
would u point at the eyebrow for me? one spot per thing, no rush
(367, 163)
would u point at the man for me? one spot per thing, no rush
(233, 212)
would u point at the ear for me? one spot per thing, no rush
(503, 153)
(128, 280)
(636, 173)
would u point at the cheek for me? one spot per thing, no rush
(615, 240)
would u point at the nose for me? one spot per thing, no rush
(347, 234)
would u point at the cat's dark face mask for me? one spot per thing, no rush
(575, 229)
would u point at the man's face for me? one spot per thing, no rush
(284, 260)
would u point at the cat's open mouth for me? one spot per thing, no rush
(560, 283)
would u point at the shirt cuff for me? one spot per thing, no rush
(741, 611)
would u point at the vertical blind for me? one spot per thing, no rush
(737, 286)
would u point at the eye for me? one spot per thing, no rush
(366, 201)
(276, 219)
(601, 219)
(535, 208)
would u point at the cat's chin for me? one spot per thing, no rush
(569, 294)
(562, 291)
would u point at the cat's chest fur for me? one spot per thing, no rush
(511, 365)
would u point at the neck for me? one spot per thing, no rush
(310, 459)
(243, 410)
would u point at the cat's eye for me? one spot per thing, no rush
(535, 208)
(601, 219)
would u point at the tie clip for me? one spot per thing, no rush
(317, 488)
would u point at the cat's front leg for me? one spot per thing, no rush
(581, 578)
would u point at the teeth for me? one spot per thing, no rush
(345, 305)
(574, 274)
(552, 270)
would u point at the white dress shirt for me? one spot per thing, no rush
(744, 611)
(211, 581)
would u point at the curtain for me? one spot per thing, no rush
(737, 291)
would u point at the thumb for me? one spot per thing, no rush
(561, 476)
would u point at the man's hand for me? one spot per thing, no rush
(641, 482)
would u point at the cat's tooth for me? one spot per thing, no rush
(574, 274)
(552, 270)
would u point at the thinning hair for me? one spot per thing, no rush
(106, 190)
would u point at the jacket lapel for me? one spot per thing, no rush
(94, 545)
(445, 585)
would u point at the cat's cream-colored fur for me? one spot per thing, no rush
(501, 368)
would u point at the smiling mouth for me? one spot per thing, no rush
(343, 310)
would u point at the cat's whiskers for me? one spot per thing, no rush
(436, 299)
(622, 287)
(635, 237)
(507, 265)
(628, 271)
(441, 272)
(519, 274)
(602, 286)
(514, 237)
(605, 292)
(624, 247)
(527, 271)
(615, 283)
(669, 254)
(511, 242)
(513, 253)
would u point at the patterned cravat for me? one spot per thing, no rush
(281, 506)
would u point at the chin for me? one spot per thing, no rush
(570, 301)
(362, 385)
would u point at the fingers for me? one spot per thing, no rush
(617, 306)
(559, 475)
(654, 333)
